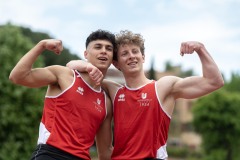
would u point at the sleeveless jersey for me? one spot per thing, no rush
(71, 119)
(140, 124)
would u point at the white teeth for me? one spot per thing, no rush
(132, 63)
(103, 59)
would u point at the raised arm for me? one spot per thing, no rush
(196, 86)
(24, 74)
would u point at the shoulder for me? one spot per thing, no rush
(166, 84)
(107, 82)
(64, 75)
(111, 87)
(168, 80)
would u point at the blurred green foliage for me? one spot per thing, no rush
(216, 118)
(21, 107)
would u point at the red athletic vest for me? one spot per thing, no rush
(71, 119)
(140, 124)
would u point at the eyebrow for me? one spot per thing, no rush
(108, 45)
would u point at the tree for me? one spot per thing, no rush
(152, 71)
(233, 85)
(20, 107)
(177, 69)
(48, 57)
(216, 118)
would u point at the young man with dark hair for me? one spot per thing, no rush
(76, 109)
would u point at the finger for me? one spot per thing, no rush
(60, 46)
(99, 80)
(187, 49)
(182, 49)
(57, 51)
(191, 48)
(95, 71)
(97, 76)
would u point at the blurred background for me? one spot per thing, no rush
(207, 128)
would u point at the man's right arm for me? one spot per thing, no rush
(24, 74)
(83, 66)
(109, 86)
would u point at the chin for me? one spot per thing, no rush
(103, 67)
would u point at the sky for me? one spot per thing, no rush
(164, 24)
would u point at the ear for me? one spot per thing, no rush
(143, 57)
(115, 63)
(85, 54)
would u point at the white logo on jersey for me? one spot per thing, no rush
(97, 105)
(144, 95)
(98, 101)
(80, 90)
(121, 97)
(144, 101)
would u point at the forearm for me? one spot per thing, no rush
(209, 68)
(104, 137)
(24, 66)
(79, 65)
(106, 155)
(104, 145)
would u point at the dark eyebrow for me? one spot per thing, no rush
(97, 44)
(100, 44)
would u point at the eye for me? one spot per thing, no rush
(124, 54)
(109, 48)
(135, 51)
(97, 46)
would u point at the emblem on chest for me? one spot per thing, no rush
(80, 90)
(97, 105)
(144, 101)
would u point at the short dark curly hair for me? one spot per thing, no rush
(101, 35)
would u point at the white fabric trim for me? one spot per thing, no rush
(43, 134)
(95, 90)
(106, 109)
(162, 152)
(65, 89)
(160, 101)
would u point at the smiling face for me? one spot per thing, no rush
(100, 54)
(130, 58)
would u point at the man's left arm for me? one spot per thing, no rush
(104, 135)
(196, 86)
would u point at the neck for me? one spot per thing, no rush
(136, 80)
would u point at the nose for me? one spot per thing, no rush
(103, 50)
(131, 55)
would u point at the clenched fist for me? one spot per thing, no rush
(189, 47)
(53, 45)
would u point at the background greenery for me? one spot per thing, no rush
(21, 107)
(216, 116)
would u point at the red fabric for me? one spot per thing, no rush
(140, 124)
(74, 117)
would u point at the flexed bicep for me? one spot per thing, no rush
(191, 87)
(39, 77)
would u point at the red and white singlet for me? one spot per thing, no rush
(71, 119)
(140, 124)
